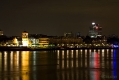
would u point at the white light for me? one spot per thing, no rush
(92, 36)
(25, 43)
(93, 23)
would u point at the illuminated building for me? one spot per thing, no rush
(38, 40)
(66, 41)
(15, 41)
(95, 30)
(25, 40)
(34, 41)
(43, 42)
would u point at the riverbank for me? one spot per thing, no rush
(42, 49)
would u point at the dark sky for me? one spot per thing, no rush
(54, 17)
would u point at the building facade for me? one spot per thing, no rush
(95, 30)
(25, 39)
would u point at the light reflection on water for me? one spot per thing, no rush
(59, 65)
(0, 61)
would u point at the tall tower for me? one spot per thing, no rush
(95, 30)
(25, 40)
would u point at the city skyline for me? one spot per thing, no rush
(56, 17)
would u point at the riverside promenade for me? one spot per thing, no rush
(42, 49)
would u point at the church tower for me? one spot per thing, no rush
(25, 39)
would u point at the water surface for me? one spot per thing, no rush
(100, 64)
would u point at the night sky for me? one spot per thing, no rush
(54, 17)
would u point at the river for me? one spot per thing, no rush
(97, 64)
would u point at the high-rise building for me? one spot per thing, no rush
(95, 30)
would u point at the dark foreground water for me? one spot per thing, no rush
(101, 64)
